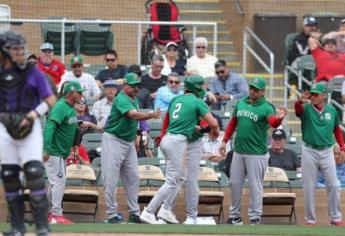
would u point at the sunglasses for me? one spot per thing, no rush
(173, 82)
(254, 89)
(158, 66)
(77, 66)
(220, 72)
(314, 95)
(47, 51)
(200, 47)
(172, 49)
(135, 85)
(82, 103)
(110, 59)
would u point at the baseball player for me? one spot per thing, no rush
(59, 134)
(119, 157)
(319, 122)
(252, 117)
(24, 96)
(190, 177)
(183, 114)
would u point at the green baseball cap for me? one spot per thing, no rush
(132, 79)
(72, 86)
(318, 88)
(77, 59)
(259, 83)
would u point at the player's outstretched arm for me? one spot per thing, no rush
(276, 120)
(138, 115)
(213, 123)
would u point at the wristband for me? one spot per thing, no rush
(42, 108)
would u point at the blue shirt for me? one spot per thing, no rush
(164, 97)
(234, 85)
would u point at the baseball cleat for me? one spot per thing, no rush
(167, 215)
(148, 217)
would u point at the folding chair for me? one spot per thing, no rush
(149, 176)
(78, 194)
(274, 176)
(92, 141)
(210, 199)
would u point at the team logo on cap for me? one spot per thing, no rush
(256, 81)
(314, 86)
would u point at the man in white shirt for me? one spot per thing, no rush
(201, 63)
(101, 109)
(86, 80)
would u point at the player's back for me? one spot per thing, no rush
(184, 114)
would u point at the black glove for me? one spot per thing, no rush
(13, 123)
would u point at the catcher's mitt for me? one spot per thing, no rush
(15, 124)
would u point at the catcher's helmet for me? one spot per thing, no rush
(11, 39)
(194, 84)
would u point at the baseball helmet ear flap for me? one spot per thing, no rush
(195, 84)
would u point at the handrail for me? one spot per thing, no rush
(239, 8)
(65, 21)
(270, 69)
(302, 78)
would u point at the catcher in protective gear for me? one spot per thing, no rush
(17, 125)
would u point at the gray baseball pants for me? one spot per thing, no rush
(119, 160)
(56, 173)
(313, 161)
(191, 172)
(174, 147)
(255, 167)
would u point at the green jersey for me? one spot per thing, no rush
(184, 113)
(318, 126)
(60, 129)
(252, 126)
(118, 123)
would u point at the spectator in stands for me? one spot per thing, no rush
(78, 155)
(142, 140)
(228, 85)
(33, 60)
(101, 109)
(171, 61)
(135, 69)
(300, 45)
(339, 36)
(210, 148)
(114, 70)
(83, 115)
(151, 82)
(340, 168)
(49, 65)
(86, 80)
(329, 63)
(166, 93)
(280, 156)
(201, 63)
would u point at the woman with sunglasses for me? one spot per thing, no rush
(201, 63)
(85, 117)
(171, 61)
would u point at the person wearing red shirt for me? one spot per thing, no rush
(329, 63)
(78, 155)
(48, 65)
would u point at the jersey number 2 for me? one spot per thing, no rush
(177, 110)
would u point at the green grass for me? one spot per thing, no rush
(197, 229)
